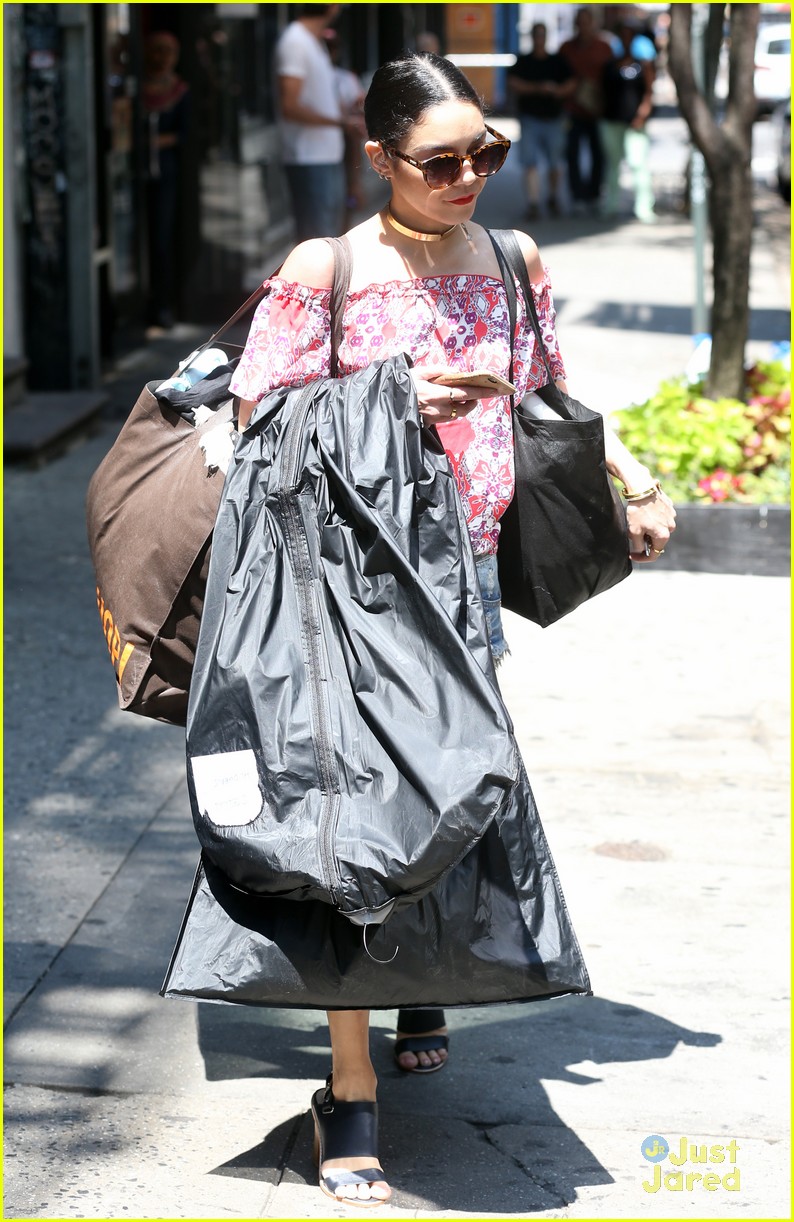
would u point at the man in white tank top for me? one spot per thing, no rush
(311, 124)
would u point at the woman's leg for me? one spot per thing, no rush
(612, 139)
(354, 1080)
(638, 147)
(554, 147)
(596, 160)
(576, 182)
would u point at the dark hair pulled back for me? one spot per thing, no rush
(402, 90)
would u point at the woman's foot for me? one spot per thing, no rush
(346, 1143)
(422, 1044)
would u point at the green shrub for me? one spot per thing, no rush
(716, 450)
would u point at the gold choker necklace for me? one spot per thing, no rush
(415, 233)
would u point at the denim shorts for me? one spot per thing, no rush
(318, 199)
(488, 573)
(541, 140)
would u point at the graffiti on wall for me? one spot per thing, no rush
(47, 315)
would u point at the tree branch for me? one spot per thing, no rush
(713, 46)
(741, 108)
(705, 132)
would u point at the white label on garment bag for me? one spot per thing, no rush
(227, 787)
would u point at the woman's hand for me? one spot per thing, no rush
(651, 522)
(438, 403)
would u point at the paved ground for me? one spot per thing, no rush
(654, 726)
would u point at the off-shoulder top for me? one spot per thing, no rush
(456, 320)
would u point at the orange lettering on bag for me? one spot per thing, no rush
(125, 657)
(113, 636)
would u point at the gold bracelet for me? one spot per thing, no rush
(640, 496)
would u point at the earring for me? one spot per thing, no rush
(383, 177)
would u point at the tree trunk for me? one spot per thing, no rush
(731, 210)
(727, 151)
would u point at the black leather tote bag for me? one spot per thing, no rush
(563, 537)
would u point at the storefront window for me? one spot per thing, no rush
(244, 207)
(119, 204)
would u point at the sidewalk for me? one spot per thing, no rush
(654, 727)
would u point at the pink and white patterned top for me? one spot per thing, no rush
(461, 321)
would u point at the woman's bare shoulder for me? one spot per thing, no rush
(310, 263)
(531, 255)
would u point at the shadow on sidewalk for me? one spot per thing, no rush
(766, 325)
(488, 1110)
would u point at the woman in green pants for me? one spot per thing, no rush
(628, 99)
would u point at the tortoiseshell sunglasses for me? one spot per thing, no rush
(446, 168)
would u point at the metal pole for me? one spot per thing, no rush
(698, 181)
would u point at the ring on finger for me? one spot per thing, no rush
(453, 412)
(658, 551)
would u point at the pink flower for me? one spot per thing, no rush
(714, 485)
(719, 485)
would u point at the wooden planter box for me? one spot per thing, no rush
(745, 539)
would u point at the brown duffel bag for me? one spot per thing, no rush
(151, 508)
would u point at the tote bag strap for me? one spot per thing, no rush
(343, 267)
(513, 265)
(252, 301)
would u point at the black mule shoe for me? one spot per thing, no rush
(421, 1043)
(345, 1130)
(416, 1024)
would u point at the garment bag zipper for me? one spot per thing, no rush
(297, 543)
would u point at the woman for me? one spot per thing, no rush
(166, 103)
(627, 84)
(425, 281)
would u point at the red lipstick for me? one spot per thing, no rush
(466, 199)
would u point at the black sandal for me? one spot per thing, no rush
(415, 1023)
(345, 1130)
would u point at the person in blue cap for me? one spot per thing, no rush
(627, 86)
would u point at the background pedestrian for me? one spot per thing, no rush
(587, 54)
(541, 82)
(627, 83)
(311, 123)
(166, 104)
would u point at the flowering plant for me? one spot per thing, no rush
(716, 451)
